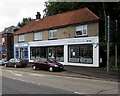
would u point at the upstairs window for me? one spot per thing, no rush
(21, 37)
(38, 36)
(52, 34)
(81, 30)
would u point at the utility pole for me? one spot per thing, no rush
(115, 55)
(108, 44)
(116, 47)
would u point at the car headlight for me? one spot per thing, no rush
(55, 65)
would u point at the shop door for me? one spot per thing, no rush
(23, 53)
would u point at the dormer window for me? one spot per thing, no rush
(81, 30)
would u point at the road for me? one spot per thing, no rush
(40, 83)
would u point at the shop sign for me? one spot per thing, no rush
(87, 40)
(21, 45)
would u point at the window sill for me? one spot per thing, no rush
(77, 36)
(52, 38)
(21, 41)
(38, 40)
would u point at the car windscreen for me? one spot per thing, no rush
(50, 60)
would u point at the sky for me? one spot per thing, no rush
(13, 11)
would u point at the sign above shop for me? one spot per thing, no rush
(21, 45)
(85, 40)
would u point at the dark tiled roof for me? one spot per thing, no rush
(10, 29)
(71, 17)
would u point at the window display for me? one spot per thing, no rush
(81, 54)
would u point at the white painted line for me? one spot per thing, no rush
(37, 74)
(22, 80)
(77, 93)
(18, 74)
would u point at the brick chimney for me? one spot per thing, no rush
(38, 16)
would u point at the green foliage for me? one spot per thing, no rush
(99, 8)
(24, 21)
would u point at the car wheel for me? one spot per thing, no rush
(15, 66)
(51, 69)
(34, 67)
(5, 65)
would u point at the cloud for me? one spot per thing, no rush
(12, 11)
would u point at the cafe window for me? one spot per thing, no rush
(81, 54)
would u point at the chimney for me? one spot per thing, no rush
(38, 16)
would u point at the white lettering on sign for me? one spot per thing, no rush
(21, 45)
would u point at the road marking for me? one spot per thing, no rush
(22, 80)
(37, 74)
(18, 74)
(14, 73)
(77, 93)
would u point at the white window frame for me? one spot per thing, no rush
(52, 33)
(38, 36)
(82, 29)
(21, 37)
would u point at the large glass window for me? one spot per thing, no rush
(38, 36)
(37, 52)
(56, 52)
(81, 54)
(52, 34)
(81, 30)
(21, 38)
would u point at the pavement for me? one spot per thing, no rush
(99, 72)
(80, 72)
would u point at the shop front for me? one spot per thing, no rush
(21, 50)
(73, 51)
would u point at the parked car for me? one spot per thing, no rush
(16, 63)
(47, 64)
(2, 62)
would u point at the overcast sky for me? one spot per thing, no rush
(12, 11)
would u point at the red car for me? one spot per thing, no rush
(47, 64)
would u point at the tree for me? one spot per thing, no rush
(24, 21)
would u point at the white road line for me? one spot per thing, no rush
(22, 80)
(77, 93)
(18, 74)
(14, 73)
(37, 74)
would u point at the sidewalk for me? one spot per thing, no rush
(94, 72)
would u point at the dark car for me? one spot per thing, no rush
(2, 62)
(47, 64)
(16, 63)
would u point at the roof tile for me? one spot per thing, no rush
(71, 17)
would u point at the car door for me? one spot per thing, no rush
(43, 64)
(11, 62)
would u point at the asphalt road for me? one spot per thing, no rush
(24, 82)
(11, 86)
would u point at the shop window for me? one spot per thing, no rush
(74, 54)
(38, 36)
(57, 53)
(81, 30)
(21, 37)
(52, 34)
(81, 54)
(37, 52)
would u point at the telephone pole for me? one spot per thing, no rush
(108, 44)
